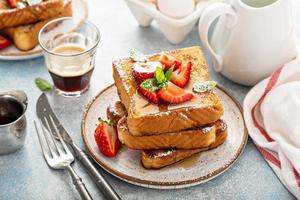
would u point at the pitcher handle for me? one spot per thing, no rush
(209, 14)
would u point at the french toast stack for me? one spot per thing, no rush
(172, 122)
(21, 20)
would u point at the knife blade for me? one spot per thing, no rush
(43, 109)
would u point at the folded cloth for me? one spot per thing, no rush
(272, 116)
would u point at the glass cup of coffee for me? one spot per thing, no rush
(69, 50)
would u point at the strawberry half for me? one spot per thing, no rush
(174, 94)
(181, 76)
(168, 61)
(150, 95)
(143, 71)
(107, 139)
(4, 42)
(13, 3)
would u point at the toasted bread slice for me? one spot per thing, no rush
(145, 118)
(187, 139)
(156, 159)
(30, 14)
(26, 37)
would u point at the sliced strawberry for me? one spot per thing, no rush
(4, 42)
(151, 96)
(107, 139)
(168, 61)
(181, 76)
(143, 71)
(13, 3)
(174, 94)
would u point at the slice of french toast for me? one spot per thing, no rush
(115, 111)
(156, 159)
(186, 139)
(10, 17)
(145, 118)
(25, 37)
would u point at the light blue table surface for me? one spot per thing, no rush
(25, 175)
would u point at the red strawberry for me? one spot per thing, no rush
(13, 3)
(181, 76)
(168, 61)
(4, 42)
(150, 95)
(143, 71)
(174, 94)
(107, 140)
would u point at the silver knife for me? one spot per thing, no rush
(43, 109)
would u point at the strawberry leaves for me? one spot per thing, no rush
(159, 81)
(109, 122)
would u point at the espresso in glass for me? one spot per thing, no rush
(69, 52)
(71, 76)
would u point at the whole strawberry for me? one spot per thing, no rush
(106, 137)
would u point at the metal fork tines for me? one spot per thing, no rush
(57, 153)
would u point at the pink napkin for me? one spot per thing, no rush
(272, 116)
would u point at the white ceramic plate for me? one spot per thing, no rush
(192, 171)
(80, 12)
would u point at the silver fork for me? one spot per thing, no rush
(58, 155)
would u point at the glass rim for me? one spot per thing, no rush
(75, 54)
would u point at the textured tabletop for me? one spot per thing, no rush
(24, 174)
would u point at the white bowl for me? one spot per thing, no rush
(175, 30)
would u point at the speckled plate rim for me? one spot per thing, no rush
(163, 185)
(25, 55)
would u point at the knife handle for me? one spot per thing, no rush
(77, 181)
(102, 184)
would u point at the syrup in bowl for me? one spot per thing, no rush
(10, 110)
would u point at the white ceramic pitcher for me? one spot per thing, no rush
(251, 38)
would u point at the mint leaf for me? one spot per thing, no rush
(160, 75)
(150, 85)
(204, 86)
(43, 85)
(137, 56)
(211, 85)
(160, 80)
(165, 85)
(168, 74)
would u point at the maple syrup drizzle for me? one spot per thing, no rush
(146, 105)
(189, 162)
(163, 107)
